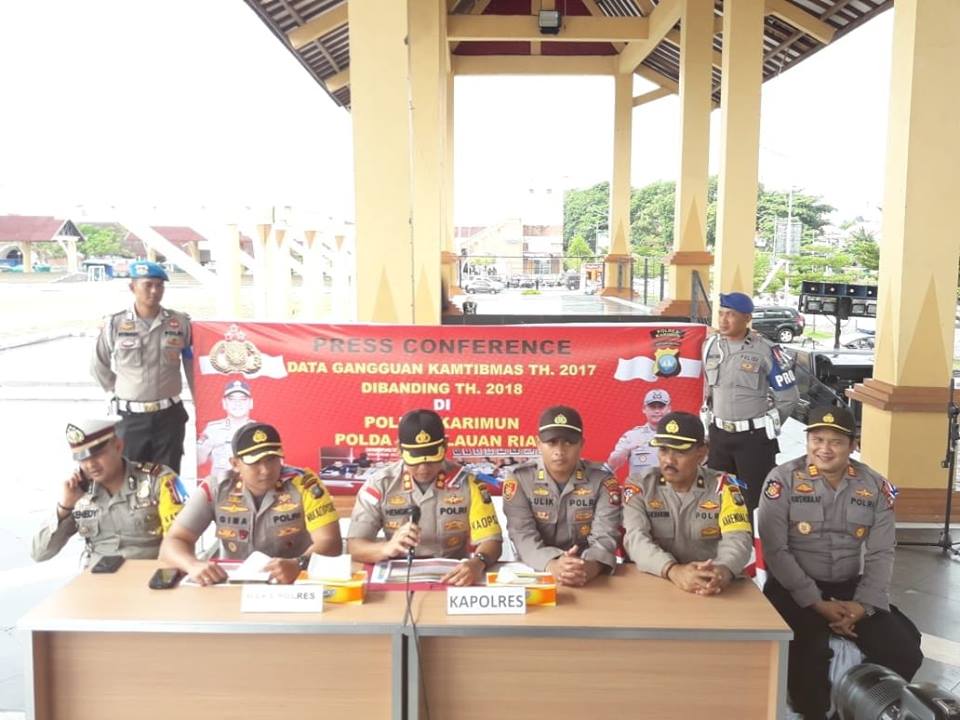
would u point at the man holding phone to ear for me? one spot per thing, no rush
(426, 506)
(118, 506)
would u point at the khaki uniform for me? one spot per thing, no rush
(136, 360)
(634, 445)
(708, 522)
(544, 520)
(280, 527)
(217, 436)
(455, 511)
(130, 523)
(811, 532)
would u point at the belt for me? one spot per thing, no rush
(147, 407)
(731, 426)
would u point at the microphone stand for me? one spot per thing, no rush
(946, 542)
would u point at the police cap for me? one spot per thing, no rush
(832, 418)
(88, 437)
(678, 430)
(560, 421)
(146, 269)
(422, 437)
(738, 301)
(237, 386)
(255, 441)
(657, 396)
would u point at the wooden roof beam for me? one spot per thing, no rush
(649, 97)
(319, 26)
(338, 81)
(665, 82)
(505, 28)
(534, 64)
(800, 19)
(673, 37)
(661, 21)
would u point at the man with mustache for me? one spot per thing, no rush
(685, 522)
(823, 517)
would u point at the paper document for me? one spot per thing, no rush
(323, 567)
(423, 570)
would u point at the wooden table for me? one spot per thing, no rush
(106, 646)
(627, 646)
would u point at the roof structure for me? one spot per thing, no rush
(33, 229)
(317, 33)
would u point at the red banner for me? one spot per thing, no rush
(337, 392)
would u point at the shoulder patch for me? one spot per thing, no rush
(509, 488)
(629, 490)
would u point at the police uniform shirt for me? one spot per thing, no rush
(130, 523)
(455, 510)
(741, 375)
(708, 522)
(139, 360)
(809, 531)
(634, 445)
(280, 527)
(218, 434)
(545, 519)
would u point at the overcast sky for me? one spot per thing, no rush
(182, 104)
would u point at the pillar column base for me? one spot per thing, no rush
(616, 276)
(677, 308)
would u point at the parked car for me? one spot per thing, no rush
(824, 376)
(482, 285)
(780, 324)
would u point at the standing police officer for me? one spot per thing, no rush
(563, 513)
(634, 445)
(749, 391)
(818, 514)
(118, 506)
(683, 521)
(137, 360)
(454, 508)
(262, 505)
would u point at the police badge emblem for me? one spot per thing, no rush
(235, 354)
(667, 362)
(804, 528)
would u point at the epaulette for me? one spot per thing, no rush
(726, 478)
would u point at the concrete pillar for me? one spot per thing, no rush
(739, 148)
(310, 310)
(616, 276)
(261, 273)
(904, 419)
(73, 263)
(26, 250)
(449, 258)
(225, 248)
(690, 221)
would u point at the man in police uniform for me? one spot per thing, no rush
(749, 391)
(214, 442)
(137, 360)
(683, 521)
(818, 513)
(118, 506)
(282, 511)
(563, 513)
(634, 445)
(455, 508)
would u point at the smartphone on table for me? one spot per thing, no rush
(108, 564)
(166, 578)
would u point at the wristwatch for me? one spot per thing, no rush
(482, 558)
(303, 561)
(868, 610)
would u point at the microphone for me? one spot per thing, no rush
(415, 519)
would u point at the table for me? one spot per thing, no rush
(106, 646)
(627, 646)
(632, 645)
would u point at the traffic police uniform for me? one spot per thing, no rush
(218, 434)
(634, 445)
(708, 522)
(456, 511)
(750, 391)
(130, 523)
(813, 537)
(277, 524)
(139, 363)
(545, 519)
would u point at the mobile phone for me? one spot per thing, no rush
(84, 481)
(108, 564)
(166, 578)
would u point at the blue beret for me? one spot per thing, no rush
(737, 301)
(147, 269)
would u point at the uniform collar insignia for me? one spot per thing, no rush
(813, 470)
(579, 476)
(700, 481)
(851, 471)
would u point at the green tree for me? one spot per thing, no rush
(49, 250)
(577, 250)
(584, 212)
(102, 240)
(864, 249)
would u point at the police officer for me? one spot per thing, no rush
(214, 442)
(817, 515)
(262, 504)
(455, 509)
(634, 445)
(118, 506)
(563, 513)
(137, 360)
(749, 391)
(683, 521)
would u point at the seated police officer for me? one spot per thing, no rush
(454, 508)
(818, 514)
(683, 521)
(261, 504)
(563, 513)
(118, 506)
